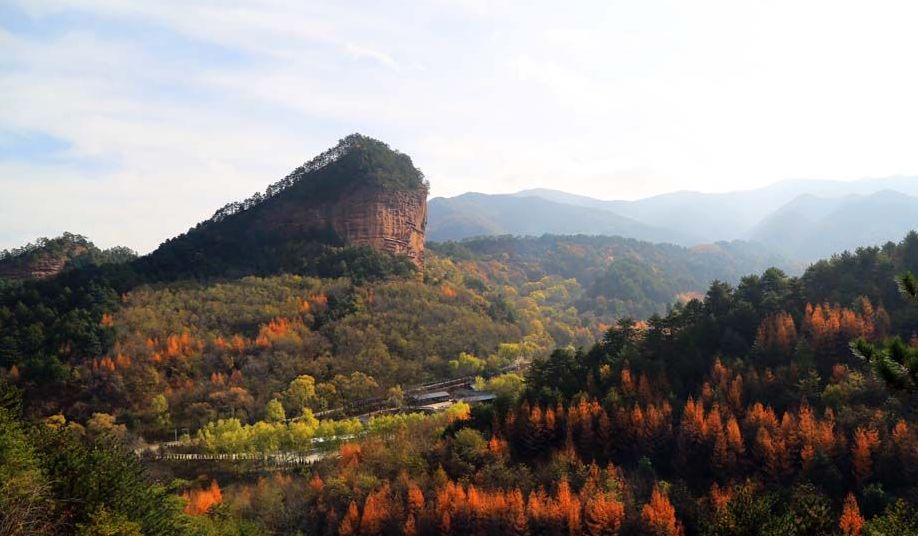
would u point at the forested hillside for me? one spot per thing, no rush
(612, 276)
(740, 412)
(112, 339)
(755, 378)
(47, 257)
(743, 412)
(711, 329)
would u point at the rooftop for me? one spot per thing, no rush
(432, 395)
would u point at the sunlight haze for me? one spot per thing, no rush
(129, 122)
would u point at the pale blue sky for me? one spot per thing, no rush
(131, 121)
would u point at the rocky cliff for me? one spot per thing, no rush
(47, 257)
(44, 258)
(38, 267)
(358, 193)
(367, 193)
(386, 221)
(391, 221)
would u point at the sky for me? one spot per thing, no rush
(129, 122)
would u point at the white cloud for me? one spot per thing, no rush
(207, 102)
(360, 52)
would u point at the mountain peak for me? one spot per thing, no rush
(355, 161)
(360, 192)
(47, 257)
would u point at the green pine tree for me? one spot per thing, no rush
(894, 361)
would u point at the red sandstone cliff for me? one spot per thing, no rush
(387, 221)
(392, 221)
(43, 259)
(360, 192)
(38, 268)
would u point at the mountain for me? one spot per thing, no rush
(810, 227)
(744, 412)
(475, 214)
(47, 257)
(222, 348)
(566, 198)
(800, 218)
(730, 215)
(610, 276)
(754, 379)
(359, 193)
(706, 216)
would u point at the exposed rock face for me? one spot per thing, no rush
(392, 221)
(39, 265)
(44, 267)
(386, 221)
(360, 192)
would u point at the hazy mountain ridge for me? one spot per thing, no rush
(475, 214)
(802, 219)
(812, 227)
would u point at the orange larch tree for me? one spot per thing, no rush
(851, 522)
(199, 501)
(777, 333)
(568, 507)
(865, 442)
(376, 511)
(603, 515)
(735, 395)
(516, 510)
(415, 498)
(410, 528)
(351, 522)
(659, 516)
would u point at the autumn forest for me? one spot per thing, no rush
(250, 377)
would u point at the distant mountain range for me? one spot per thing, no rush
(802, 219)
(473, 214)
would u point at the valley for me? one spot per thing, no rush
(314, 360)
